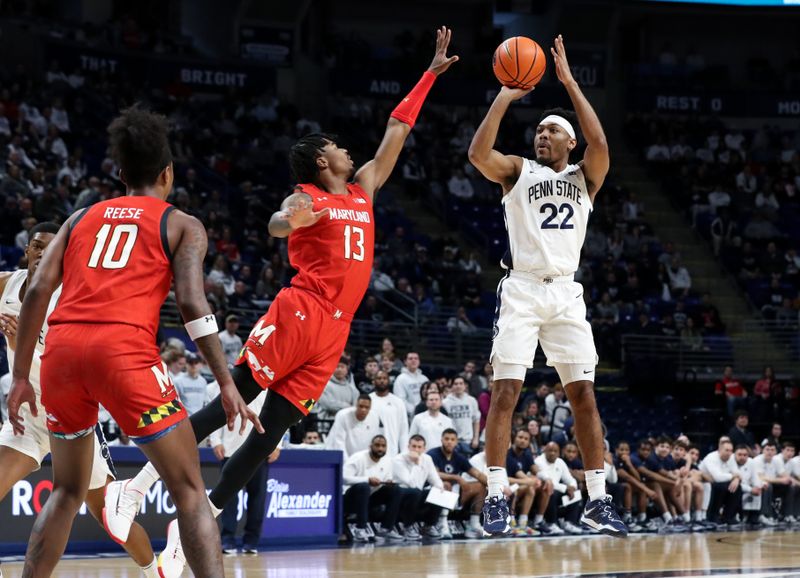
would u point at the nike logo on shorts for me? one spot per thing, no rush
(586, 372)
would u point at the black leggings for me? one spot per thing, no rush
(277, 416)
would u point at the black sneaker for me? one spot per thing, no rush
(496, 516)
(600, 515)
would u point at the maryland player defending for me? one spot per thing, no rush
(22, 455)
(293, 349)
(546, 203)
(117, 260)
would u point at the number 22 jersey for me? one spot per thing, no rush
(333, 257)
(546, 215)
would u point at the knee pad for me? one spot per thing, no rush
(572, 372)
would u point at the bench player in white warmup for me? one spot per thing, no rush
(21, 455)
(546, 203)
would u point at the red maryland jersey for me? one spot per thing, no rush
(333, 257)
(117, 267)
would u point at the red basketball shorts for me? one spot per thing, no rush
(114, 365)
(294, 348)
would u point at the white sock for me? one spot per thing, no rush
(497, 478)
(151, 570)
(641, 517)
(475, 520)
(145, 479)
(523, 521)
(698, 516)
(596, 484)
(687, 517)
(538, 519)
(667, 517)
(443, 514)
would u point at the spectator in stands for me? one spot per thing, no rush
(462, 408)
(680, 281)
(422, 406)
(369, 482)
(720, 469)
(231, 342)
(340, 393)
(473, 381)
(775, 433)
(459, 185)
(629, 475)
(752, 487)
(484, 401)
(739, 433)
(691, 337)
(191, 385)
(406, 385)
(762, 394)
(733, 390)
(388, 352)
(175, 361)
(461, 323)
(534, 428)
(431, 423)
(554, 473)
(450, 465)
(312, 438)
(354, 428)
(521, 471)
(412, 471)
(661, 469)
(776, 483)
(391, 410)
(365, 378)
(557, 410)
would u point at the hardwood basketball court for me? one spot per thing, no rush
(766, 554)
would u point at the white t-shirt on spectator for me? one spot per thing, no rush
(718, 470)
(557, 472)
(406, 387)
(192, 391)
(749, 474)
(430, 428)
(718, 199)
(793, 467)
(411, 475)
(464, 412)
(550, 403)
(460, 187)
(392, 412)
(350, 435)
(771, 469)
(360, 467)
(231, 345)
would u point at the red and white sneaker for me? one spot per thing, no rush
(121, 506)
(171, 561)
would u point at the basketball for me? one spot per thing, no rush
(519, 62)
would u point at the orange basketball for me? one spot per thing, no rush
(519, 62)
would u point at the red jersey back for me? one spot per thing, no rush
(333, 257)
(117, 265)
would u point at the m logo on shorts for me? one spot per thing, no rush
(156, 414)
(163, 379)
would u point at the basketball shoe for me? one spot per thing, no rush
(121, 506)
(496, 517)
(600, 515)
(171, 561)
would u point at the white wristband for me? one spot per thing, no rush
(202, 326)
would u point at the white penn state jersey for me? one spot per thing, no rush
(11, 305)
(546, 215)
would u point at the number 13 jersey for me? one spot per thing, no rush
(333, 257)
(117, 265)
(546, 214)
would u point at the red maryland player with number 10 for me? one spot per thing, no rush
(295, 347)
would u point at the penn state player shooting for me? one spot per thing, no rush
(546, 203)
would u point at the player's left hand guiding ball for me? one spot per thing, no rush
(563, 70)
(21, 392)
(441, 61)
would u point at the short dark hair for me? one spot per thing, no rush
(567, 114)
(417, 438)
(680, 444)
(645, 442)
(46, 227)
(788, 444)
(771, 443)
(739, 447)
(304, 154)
(449, 431)
(663, 440)
(364, 396)
(740, 413)
(620, 442)
(140, 145)
(383, 437)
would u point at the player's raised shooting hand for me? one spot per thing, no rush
(302, 214)
(441, 61)
(234, 405)
(514, 93)
(563, 70)
(21, 392)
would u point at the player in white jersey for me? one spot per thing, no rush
(23, 454)
(546, 203)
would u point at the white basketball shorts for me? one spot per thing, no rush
(35, 443)
(551, 311)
